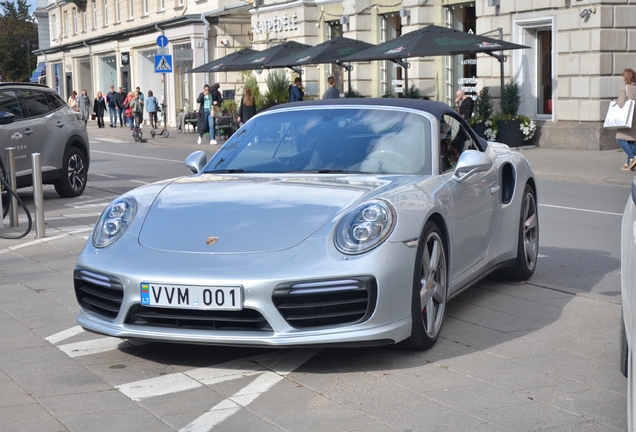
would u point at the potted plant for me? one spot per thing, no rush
(528, 127)
(483, 112)
(508, 121)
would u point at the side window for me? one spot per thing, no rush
(9, 102)
(35, 103)
(454, 140)
(55, 101)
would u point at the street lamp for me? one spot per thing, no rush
(26, 40)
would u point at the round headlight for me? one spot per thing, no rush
(114, 221)
(365, 227)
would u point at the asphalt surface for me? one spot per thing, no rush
(512, 357)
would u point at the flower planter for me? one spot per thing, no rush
(510, 132)
(480, 129)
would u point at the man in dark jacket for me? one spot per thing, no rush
(463, 104)
(120, 97)
(111, 103)
(216, 95)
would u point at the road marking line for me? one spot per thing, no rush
(103, 175)
(94, 346)
(65, 334)
(247, 394)
(84, 202)
(101, 204)
(138, 157)
(139, 181)
(161, 385)
(34, 242)
(582, 210)
(543, 256)
(81, 230)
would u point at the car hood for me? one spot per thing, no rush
(247, 213)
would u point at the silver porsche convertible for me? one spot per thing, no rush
(346, 222)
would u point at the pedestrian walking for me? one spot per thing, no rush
(152, 106)
(72, 101)
(99, 107)
(128, 111)
(120, 97)
(332, 92)
(111, 102)
(626, 138)
(84, 106)
(247, 109)
(205, 122)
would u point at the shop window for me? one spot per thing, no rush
(391, 73)
(534, 68)
(183, 57)
(336, 71)
(461, 70)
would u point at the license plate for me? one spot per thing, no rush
(191, 297)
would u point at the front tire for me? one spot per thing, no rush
(74, 176)
(430, 290)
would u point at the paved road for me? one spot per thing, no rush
(512, 357)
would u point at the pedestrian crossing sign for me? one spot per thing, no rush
(163, 63)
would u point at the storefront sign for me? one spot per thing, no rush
(399, 90)
(276, 24)
(183, 55)
(397, 82)
(471, 80)
(125, 58)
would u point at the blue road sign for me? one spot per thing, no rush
(163, 63)
(162, 41)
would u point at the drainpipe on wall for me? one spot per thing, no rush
(217, 12)
(90, 64)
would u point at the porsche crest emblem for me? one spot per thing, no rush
(211, 240)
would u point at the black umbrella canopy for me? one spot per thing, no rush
(331, 51)
(432, 41)
(222, 64)
(262, 59)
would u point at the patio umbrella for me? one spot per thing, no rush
(331, 51)
(222, 64)
(431, 41)
(262, 59)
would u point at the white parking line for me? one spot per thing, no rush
(65, 334)
(139, 181)
(161, 385)
(103, 175)
(94, 346)
(580, 209)
(73, 204)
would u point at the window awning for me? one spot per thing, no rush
(37, 72)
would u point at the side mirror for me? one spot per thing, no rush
(6, 118)
(196, 161)
(470, 162)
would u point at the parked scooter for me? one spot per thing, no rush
(164, 132)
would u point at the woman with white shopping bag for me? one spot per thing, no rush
(626, 138)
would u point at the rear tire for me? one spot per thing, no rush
(74, 175)
(430, 290)
(528, 240)
(624, 359)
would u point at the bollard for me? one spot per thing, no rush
(38, 197)
(9, 154)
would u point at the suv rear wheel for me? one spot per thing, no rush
(74, 174)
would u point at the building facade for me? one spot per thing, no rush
(568, 75)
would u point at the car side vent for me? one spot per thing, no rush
(98, 293)
(326, 303)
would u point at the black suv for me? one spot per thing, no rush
(42, 122)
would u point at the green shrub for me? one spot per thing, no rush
(277, 89)
(483, 104)
(510, 99)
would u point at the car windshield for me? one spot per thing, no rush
(327, 140)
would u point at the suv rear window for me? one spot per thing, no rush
(55, 101)
(35, 102)
(9, 102)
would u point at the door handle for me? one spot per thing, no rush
(59, 124)
(28, 131)
(494, 189)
